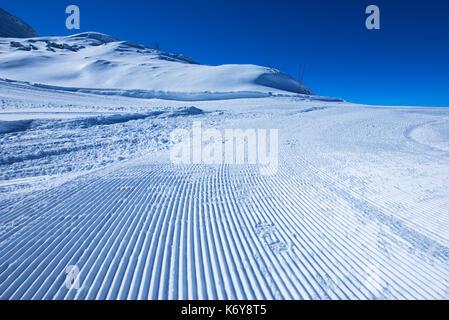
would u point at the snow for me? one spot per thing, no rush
(97, 61)
(358, 208)
(14, 126)
(434, 134)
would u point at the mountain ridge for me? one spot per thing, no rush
(14, 27)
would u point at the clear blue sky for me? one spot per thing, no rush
(404, 63)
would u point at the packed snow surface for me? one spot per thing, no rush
(359, 207)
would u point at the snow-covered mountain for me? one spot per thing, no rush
(95, 60)
(13, 27)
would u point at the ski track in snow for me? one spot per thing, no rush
(323, 227)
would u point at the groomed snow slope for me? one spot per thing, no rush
(358, 208)
(94, 60)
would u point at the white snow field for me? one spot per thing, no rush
(358, 208)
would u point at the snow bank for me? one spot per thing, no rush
(281, 81)
(165, 95)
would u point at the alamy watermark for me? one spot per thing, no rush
(72, 279)
(73, 20)
(229, 146)
(372, 22)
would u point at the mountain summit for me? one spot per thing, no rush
(13, 27)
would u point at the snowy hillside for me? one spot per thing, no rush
(94, 60)
(13, 27)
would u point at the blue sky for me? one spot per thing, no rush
(404, 63)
